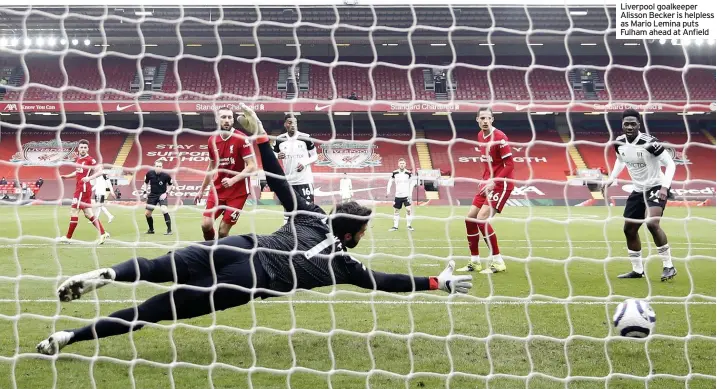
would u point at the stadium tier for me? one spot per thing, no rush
(194, 79)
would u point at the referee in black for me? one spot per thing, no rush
(307, 252)
(159, 184)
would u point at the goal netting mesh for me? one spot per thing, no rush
(557, 82)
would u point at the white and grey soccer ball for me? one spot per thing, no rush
(634, 319)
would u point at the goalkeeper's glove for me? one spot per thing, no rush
(250, 121)
(449, 283)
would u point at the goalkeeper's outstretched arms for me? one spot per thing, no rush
(360, 276)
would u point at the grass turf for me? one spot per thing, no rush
(546, 320)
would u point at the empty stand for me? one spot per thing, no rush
(196, 80)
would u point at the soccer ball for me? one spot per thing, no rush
(634, 318)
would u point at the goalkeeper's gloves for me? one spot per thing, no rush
(449, 283)
(250, 121)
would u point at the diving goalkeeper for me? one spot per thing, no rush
(248, 266)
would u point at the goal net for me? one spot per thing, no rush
(371, 85)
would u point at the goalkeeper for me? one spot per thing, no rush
(240, 268)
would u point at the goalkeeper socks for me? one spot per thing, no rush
(491, 238)
(168, 222)
(473, 238)
(666, 256)
(98, 225)
(150, 222)
(209, 235)
(636, 259)
(396, 218)
(73, 225)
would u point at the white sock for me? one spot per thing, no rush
(475, 258)
(104, 209)
(664, 252)
(395, 220)
(409, 219)
(497, 259)
(636, 259)
(112, 272)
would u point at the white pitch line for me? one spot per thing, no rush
(381, 302)
(381, 250)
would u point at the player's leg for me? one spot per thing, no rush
(397, 205)
(231, 215)
(473, 234)
(167, 219)
(634, 215)
(654, 213)
(486, 213)
(196, 270)
(103, 208)
(496, 201)
(148, 209)
(166, 268)
(409, 214)
(211, 212)
(95, 220)
(74, 213)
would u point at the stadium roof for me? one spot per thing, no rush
(353, 24)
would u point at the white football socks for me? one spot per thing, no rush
(666, 255)
(636, 259)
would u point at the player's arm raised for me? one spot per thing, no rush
(275, 177)
(357, 274)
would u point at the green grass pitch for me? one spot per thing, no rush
(562, 261)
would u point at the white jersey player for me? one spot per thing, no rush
(102, 191)
(643, 156)
(297, 152)
(346, 189)
(405, 181)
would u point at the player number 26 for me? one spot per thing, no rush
(493, 196)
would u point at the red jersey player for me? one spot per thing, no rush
(82, 199)
(232, 156)
(493, 193)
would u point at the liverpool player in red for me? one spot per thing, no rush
(232, 156)
(82, 200)
(492, 195)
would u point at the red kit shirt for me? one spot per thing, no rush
(229, 155)
(494, 149)
(83, 166)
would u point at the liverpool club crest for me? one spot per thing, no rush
(348, 155)
(45, 153)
